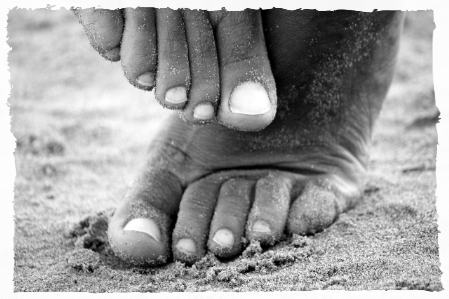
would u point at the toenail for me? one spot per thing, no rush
(176, 95)
(250, 98)
(261, 227)
(224, 237)
(113, 54)
(186, 246)
(146, 79)
(144, 225)
(203, 111)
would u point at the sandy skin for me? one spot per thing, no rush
(73, 133)
(209, 66)
(208, 188)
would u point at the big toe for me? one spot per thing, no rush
(140, 230)
(138, 240)
(248, 90)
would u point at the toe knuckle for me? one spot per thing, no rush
(241, 54)
(143, 57)
(174, 153)
(204, 49)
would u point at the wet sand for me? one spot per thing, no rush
(82, 131)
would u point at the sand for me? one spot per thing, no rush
(82, 131)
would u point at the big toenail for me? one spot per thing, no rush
(186, 246)
(250, 98)
(144, 225)
(113, 54)
(261, 227)
(176, 95)
(224, 237)
(146, 79)
(203, 111)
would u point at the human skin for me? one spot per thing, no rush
(209, 66)
(206, 187)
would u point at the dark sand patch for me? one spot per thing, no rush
(82, 132)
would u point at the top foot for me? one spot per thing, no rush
(210, 66)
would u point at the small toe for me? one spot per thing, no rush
(186, 246)
(176, 95)
(268, 216)
(228, 223)
(204, 112)
(314, 210)
(146, 80)
(194, 217)
(104, 30)
(224, 238)
(204, 70)
(173, 71)
(139, 47)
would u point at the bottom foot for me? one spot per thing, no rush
(217, 212)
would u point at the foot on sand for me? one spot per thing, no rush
(204, 188)
(209, 66)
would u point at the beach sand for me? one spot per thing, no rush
(82, 132)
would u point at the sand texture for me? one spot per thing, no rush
(82, 132)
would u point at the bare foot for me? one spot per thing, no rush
(204, 188)
(209, 66)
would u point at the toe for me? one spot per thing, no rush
(104, 30)
(173, 72)
(267, 219)
(205, 86)
(139, 236)
(228, 223)
(139, 231)
(144, 225)
(248, 91)
(194, 217)
(139, 48)
(250, 98)
(314, 210)
(202, 112)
